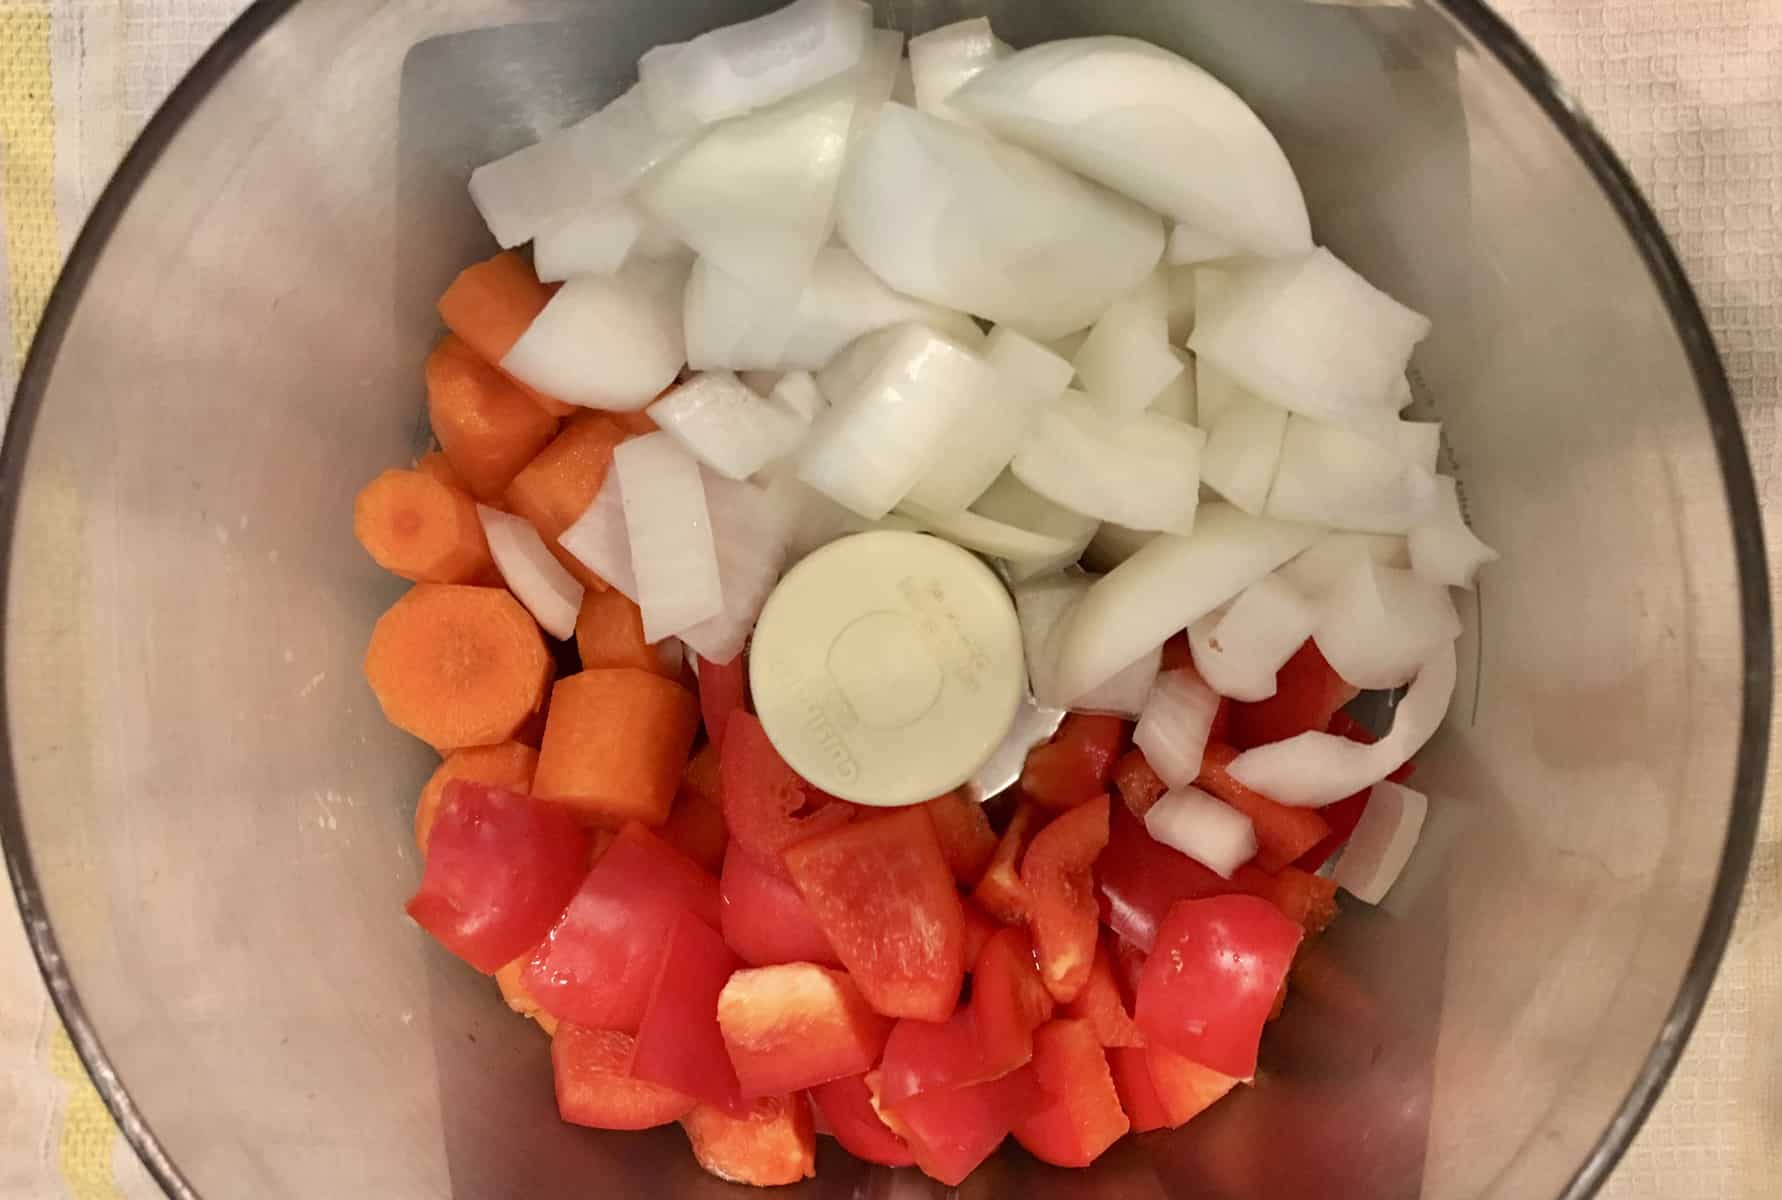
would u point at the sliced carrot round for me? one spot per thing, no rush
(421, 529)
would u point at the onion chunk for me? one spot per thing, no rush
(670, 530)
(1174, 727)
(550, 593)
(1443, 547)
(1239, 650)
(1332, 476)
(597, 539)
(727, 426)
(1208, 830)
(1143, 473)
(1381, 844)
(611, 342)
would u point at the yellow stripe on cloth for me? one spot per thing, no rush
(28, 132)
(83, 1152)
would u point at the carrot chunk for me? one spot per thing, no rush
(490, 305)
(417, 527)
(609, 633)
(434, 463)
(556, 487)
(488, 429)
(508, 765)
(615, 744)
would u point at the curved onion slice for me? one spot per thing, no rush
(1174, 727)
(550, 593)
(597, 539)
(1012, 502)
(1209, 831)
(1381, 844)
(1126, 361)
(1189, 246)
(1443, 548)
(976, 532)
(1317, 572)
(876, 80)
(1169, 584)
(1243, 452)
(732, 324)
(1311, 770)
(1240, 650)
(670, 531)
(738, 68)
(594, 241)
(727, 426)
(797, 392)
(1379, 623)
(1045, 606)
(943, 60)
(1150, 125)
(610, 342)
(1143, 473)
(751, 546)
(1331, 476)
(842, 300)
(1112, 545)
(949, 215)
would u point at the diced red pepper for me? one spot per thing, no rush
(1102, 1005)
(880, 890)
(1009, 1000)
(1212, 977)
(846, 1104)
(1064, 917)
(1301, 896)
(979, 928)
(1138, 1096)
(774, 1144)
(1308, 691)
(500, 868)
(965, 835)
(950, 1133)
(595, 1087)
(1282, 833)
(1075, 766)
(1139, 786)
(723, 690)
(794, 1026)
(695, 824)
(1000, 891)
(1139, 878)
(1083, 1116)
(598, 964)
(766, 805)
(764, 918)
(1129, 966)
(929, 1056)
(1162, 1090)
(679, 1044)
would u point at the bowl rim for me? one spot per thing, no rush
(1523, 65)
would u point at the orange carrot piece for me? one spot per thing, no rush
(615, 745)
(490, 305)
(609, 633)
(487, 427)
(506, 765)
(434, 463)
(510, 979)
(696, 826)
(457, 666)
(418, 528)
(1000, 891)
(965, 835)
(556, 487)
(1282, 833)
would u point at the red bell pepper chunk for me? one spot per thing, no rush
(979, 928)
(1139, 786)
(1102, 1005)
(1212, 977)
(1159, 1089)
(1282, 833)
(695, 824)
(1138, 1096)
(723, 690)
(774, 1144)
(766, 805)
(1301, 896)
(793, 1026)
(880, 890)
(1083, 1116)
(500, 868)
(1129, 965)
(595, 1087)
(1064, 918)
(965, 835)
(1075, 766)
(951, 1132)
(1000, 891)
(679, 1044)
(598, 964)
(846, 1105)
(933, 1056)
(764, 918)
(1139, 878)
(1009, 1001)
(1307, 692)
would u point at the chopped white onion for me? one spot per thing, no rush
(597, 539)
(594, 241)
(1143, 473)
(868, 450)
(1243, 452)
(610, 342)
(974, 531)
(1126, 360)
(725, 425)
(1174, 727)
(1189, 246)
(1336, 477)
(1215, 392)
(738, 68)
(947, 214)
(1381, 844)
(763, 382)
(1180, 400)
(1317, 572)
(1150, 125)
(796, 392)
(1379, 623)
(1169, 584)
(1125, 694)
(1401, 393)
(536, 579)
(1239, 650)
(1208, 830)
(943, 60)
(1181, 301)
(1066, 347)
(1313, 769)
(1012, 502)
(876, 78)
(849, 369)
(751, 541)
(670, 530)
(756, 194)
(1348, 346)
(1443, 547)
(1045, 606)
(1419, 443)
(731, 323)
(1112, 545)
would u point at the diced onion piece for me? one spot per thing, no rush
(1239, 651)
(811, 519)
(610, 342)
(1067, 346)
(1012, 502)
(762, 381)
(868, 450)
(943, 60)
(1208, 830)
(1143, 473)
(1243, 452)
(1189, 246)
(1381, 845)
(1331, 476)
(597, 539)
(1181, 302)
(1379, 623)
(725, 425)
(876, 80)
(731, 323)
(1215, 392)
(1311, 335)
(738, 68)
(1126, 360)
(1025, 380)
(1317, 572)
(976, 532)
(1124, 695)
(1401, 393)
(1179, 400)
(537, 580)
(594, 241)
(1419, 443)
(849, 369)
(751, 543)
(1174, 727)
(947, 214)
(1443, 548)
(1167, 585)
(670, 529)
(756, 195)
(1112, 545)
(1313, 769)
(1150, 125)
(796, 392)
(842, 300)
(1045, 606)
